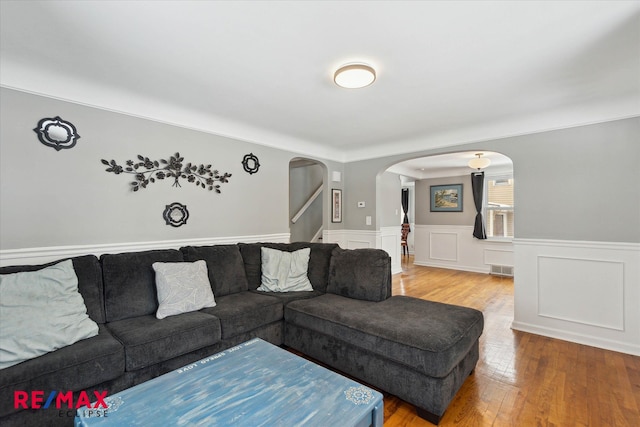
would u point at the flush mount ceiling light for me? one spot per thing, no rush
(354, 76)
(479, 162)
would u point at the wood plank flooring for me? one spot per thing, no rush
(521, 379)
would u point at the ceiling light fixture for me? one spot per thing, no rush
(480, 162)
(354, 76)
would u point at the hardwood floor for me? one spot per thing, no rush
(521, 379)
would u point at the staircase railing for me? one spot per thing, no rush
(303, 209)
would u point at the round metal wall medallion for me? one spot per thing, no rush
(250, 163)
(176, 214)
(57, 133)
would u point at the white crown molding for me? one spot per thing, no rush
(112, 100)
(192, 120)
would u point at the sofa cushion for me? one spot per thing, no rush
(287, 297)
(182, 287)
(40, 312)
(428, 336)
(225, 265)
(244, 311)
(89, 273)
(148, 340)
(129, 282)
(319, 259)
(76, 367)
(360, 273)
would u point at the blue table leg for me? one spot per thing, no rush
(378, 414)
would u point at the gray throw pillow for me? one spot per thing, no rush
(182, 287)
(41, 311)
(285, 271)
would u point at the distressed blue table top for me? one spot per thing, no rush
(252, 384)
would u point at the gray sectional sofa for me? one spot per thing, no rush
(418, 350)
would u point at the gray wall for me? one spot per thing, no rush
(572, 184)
(390, 190)
(59, 198)
(360, 187)
(424, 216)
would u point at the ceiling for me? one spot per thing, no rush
(448, 73)
(453, 164)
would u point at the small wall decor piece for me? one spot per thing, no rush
(250, 163)
(148, 172)
(336, 205)
(446, 198)
(175, 214)
(56, 133)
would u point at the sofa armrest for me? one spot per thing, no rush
(363, 274)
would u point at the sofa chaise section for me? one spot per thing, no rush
(420, 351)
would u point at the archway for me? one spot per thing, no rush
(444, 238)
(306, 201)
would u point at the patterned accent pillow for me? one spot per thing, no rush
(182, 287)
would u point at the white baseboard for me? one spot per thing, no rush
(47, 254)
(470, 268)
(589, 340)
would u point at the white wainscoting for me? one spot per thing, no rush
(388, 239)
(390, 242)
(352, 239)
(48, 254)
(454, 247)
(584, 292)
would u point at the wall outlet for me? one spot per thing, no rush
(361, 204)
(367, 219)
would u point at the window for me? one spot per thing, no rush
(498, 208)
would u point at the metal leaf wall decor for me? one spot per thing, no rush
(148, 172)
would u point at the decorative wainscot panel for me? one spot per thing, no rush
(585, 292)
(453, 246)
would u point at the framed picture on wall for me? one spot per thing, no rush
(446, 198)
(336, 205)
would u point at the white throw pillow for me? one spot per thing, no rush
(285, 271)
(41, 311)
(182, 287)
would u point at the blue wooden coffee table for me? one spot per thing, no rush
(252, 384)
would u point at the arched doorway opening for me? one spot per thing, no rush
(306, 201)
(444, 237)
